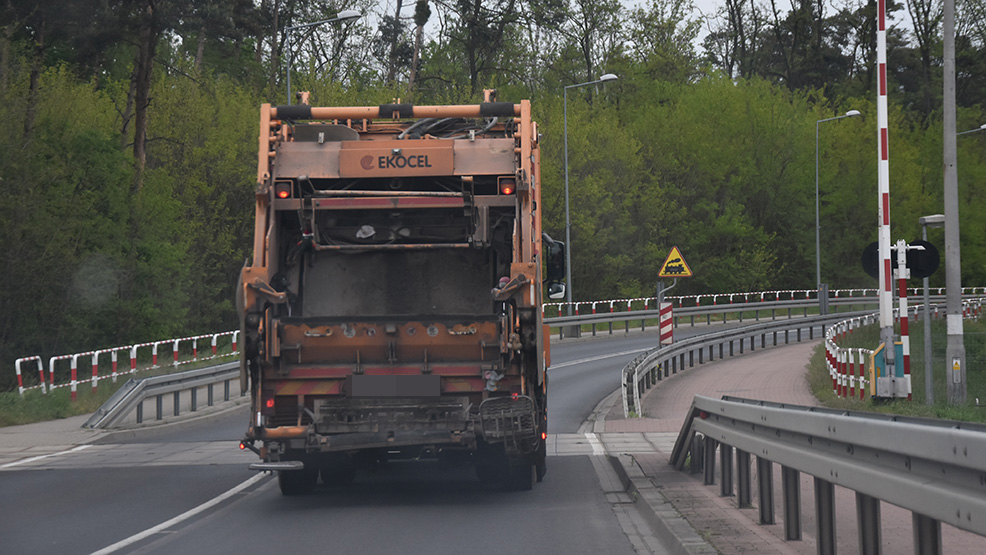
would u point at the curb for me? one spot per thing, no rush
(665, 521)
(667, 524)
(178, 423)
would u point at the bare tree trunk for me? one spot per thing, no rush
(32, 96)
(128, 110)
(275, 49)
(200, 51)
(392, 61)
(419, 33)
(261, 35)
(146, 49)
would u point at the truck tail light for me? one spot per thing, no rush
(267, 402)
(508, 186)
(282, 189)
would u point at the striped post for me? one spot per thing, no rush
(95, 370)
(903, 273)
(75, 374)
(174, 351)
(667, 324)
(883, 150)
(113, 361)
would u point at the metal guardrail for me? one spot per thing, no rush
(659, 363)
(934, 468)
(761, 310)
(131, 396)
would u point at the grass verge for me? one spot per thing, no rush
(869, 337)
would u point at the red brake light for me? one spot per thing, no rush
(269, 403)
(282, 189)
(507, 186)
(242, 446)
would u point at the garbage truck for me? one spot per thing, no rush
(393, 304)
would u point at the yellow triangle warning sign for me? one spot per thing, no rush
(675, 265)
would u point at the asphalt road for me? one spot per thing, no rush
(115, 495)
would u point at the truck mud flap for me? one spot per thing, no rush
(510, 420)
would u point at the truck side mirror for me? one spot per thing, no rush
(556, 291)
(554, 263)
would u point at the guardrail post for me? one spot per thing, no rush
(210, 394)
(691, 359)
(927, 535)
(791, 492)
(194, 393)
(177, 402)
(160, 407)
(765, 482)
(825, 516)
(868, 523)
(743, 479)
(140, 412)
(226, 390)
(698, 455)
(709, 462)
(730, 347)
(682, 362)
(726, 470)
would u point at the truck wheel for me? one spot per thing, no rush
(297, 482)
(522, 475)
(541, 458)
(338, 470)
(491, 462)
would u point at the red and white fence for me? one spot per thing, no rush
(184, 350)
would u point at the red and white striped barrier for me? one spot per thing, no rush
(50, 382)
(41, 374)
(667, 324)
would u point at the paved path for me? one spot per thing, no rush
(775, 374)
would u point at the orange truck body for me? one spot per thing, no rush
(393, 303)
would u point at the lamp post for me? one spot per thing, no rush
(818, 227)
(568, 222)
(344, 15)
(936, 220)
(955, 370)
(976, 130)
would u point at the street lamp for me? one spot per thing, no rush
(344, 15)
(936, 220)
(980, 128)
(818, 240)
(568, 222)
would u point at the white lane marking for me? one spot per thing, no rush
(184, 516)
(597, 448)
(593, 359)
(39, 457)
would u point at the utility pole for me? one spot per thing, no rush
(955, 348)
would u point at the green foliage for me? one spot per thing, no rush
(714, 155)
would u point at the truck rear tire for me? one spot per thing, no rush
(338, 470)
(297, 482)
(521, 476)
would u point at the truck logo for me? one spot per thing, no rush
(395, 161)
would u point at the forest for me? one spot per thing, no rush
(128, 150)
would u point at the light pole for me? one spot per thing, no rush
(818, 227)
(936, 220)
(976, 130)
(568, 222)
(344, 15)
(955, 370)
